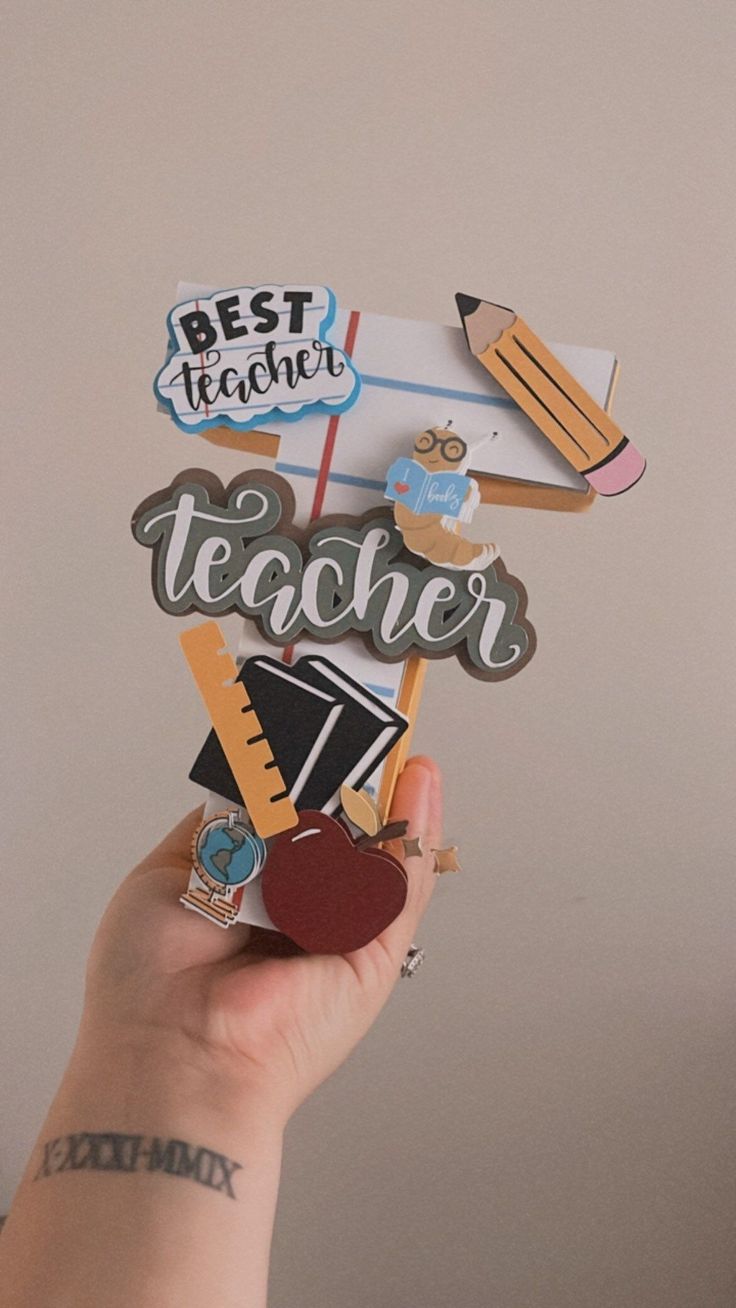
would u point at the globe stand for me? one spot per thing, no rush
(210, 900)
(213, 896)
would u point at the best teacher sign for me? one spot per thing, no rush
(245, 353)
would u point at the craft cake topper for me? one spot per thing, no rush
(334, 895)
(547, 393)
(225, 854)
(325, 729)
(239, 730)
(432, 496)
(290, 739)
(218, 550)
(257, 350)
(328, 893)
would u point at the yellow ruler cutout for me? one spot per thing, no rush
(238, 730)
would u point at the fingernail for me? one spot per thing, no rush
(437, 787)
(421, 760)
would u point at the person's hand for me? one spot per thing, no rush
(241, 1008)
(155, 1177)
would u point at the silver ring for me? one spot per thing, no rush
(413, 961)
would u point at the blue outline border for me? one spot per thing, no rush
(307, 409)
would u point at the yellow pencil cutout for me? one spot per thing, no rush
(238, 730)
(548, 394)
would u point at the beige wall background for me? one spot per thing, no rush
(544, 1119)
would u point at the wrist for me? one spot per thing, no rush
(165, 1083)
(157, 1162)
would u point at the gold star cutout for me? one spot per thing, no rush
(445, 860)
(412, 848)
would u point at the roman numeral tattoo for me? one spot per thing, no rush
(110, 1151)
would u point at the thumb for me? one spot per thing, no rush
(146, 908)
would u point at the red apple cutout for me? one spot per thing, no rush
(325, 894)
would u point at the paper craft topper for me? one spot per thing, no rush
(238, 730)
(219, 550)
(432, 496)
(324, 728)
(225, 855)
(326, 893)
(293, 736)
(334, 893)
(559, 406)
(242, 354)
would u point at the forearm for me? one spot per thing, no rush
(150, 1184)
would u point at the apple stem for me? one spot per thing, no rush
(394, 831)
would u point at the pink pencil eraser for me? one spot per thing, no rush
(619, 473)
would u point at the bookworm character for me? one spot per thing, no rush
(431, 495)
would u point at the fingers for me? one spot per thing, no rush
(418, 799)
(175, 850)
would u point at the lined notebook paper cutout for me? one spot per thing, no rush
(324, 729)
(411, 371)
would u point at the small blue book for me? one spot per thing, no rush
(410, 484)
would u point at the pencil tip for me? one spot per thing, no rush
(466, 304)
(483, 321)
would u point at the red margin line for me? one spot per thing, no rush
(332, 426)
